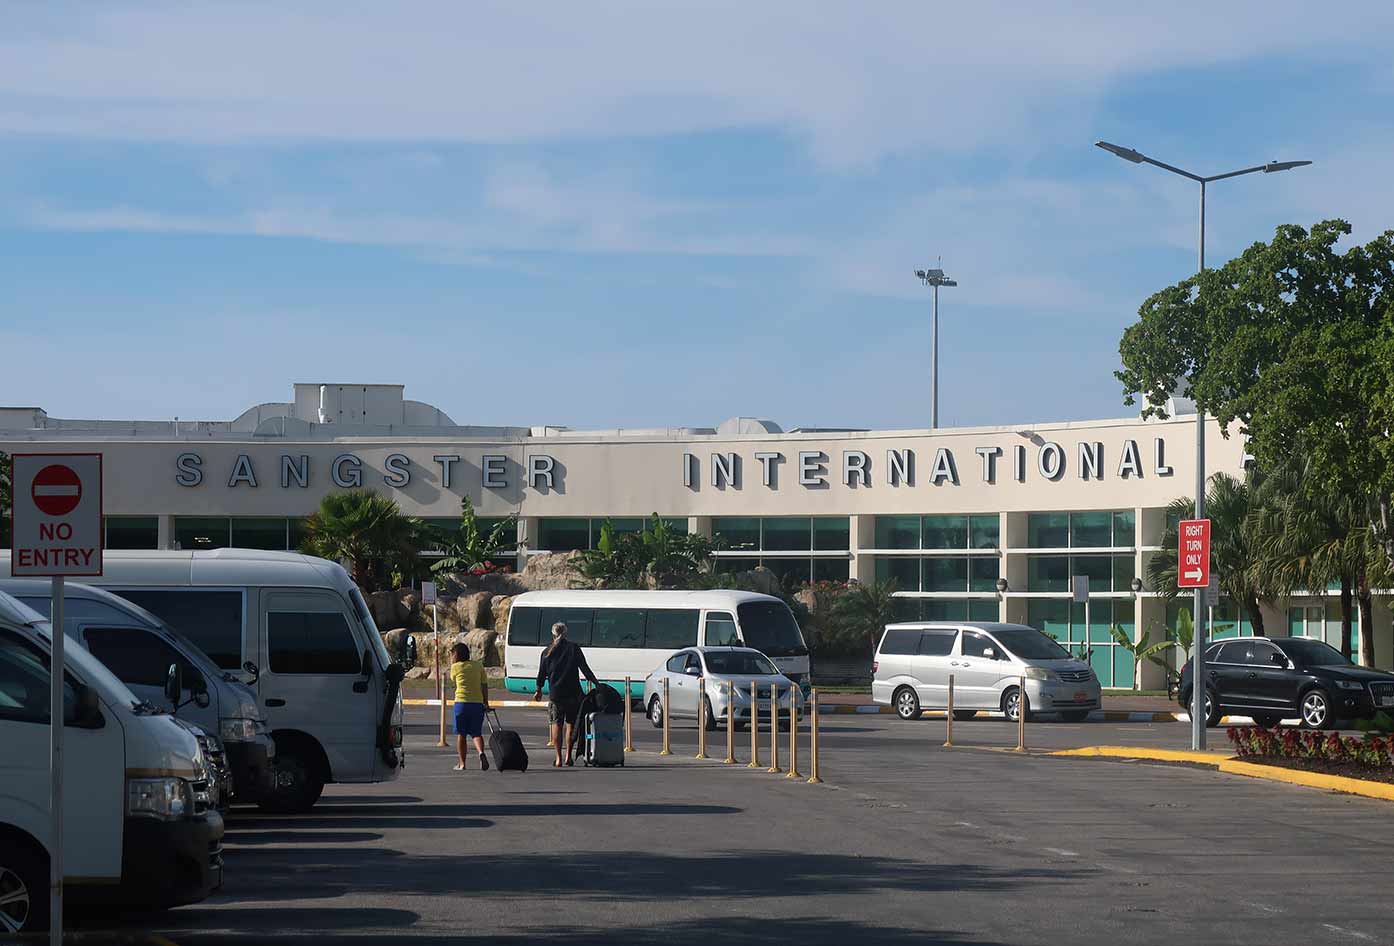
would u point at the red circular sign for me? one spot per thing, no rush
(56, 490)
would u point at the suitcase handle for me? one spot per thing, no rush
(491, 718)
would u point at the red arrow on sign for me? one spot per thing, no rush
(56, 490)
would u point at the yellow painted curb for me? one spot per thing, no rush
(1140, 752)
(1334, 783)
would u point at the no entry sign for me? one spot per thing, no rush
(57, 515)
(1193, 557)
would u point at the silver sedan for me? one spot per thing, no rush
(715, 670)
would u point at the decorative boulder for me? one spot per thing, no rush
(419, 673)
(501, 605)
(408, 604)
(550, 571)
(474, 611)
(396, 642)
(483, 645)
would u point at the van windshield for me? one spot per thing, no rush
(1027, 643)
(769, 627)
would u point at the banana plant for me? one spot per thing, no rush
(1141, 649)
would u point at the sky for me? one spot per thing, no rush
(647, 214)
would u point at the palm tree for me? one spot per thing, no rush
(467, 548)
(867, 608)
(1235, 559)
(659, 556)
(6, 468)
(365, 530)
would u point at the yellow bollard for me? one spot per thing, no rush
(754, 762)
(701, 718)
(813, 777)
(949, 717)
(1021, 715)
(667, 746)
(794, 734)
(628, 718)
(774, 730)
(730, 722)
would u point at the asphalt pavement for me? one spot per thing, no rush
(906, 841)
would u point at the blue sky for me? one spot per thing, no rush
(646, 214)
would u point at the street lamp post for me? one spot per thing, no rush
(1198, 659)
(935, 278)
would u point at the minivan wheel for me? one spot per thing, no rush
(1316, 709)
(295, 785)
(23, 890)
(656, 713)
(907, 704)
(1011, 705)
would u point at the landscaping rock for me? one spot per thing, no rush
(396, 642)
(474, 611)
(419, 673)
(501, 605)
(483, 645)
(550, 571)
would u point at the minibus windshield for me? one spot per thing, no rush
(770, 628)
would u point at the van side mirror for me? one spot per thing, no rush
(87, 711)
(199, 686)
(989, 653)
(252, 669)
(174, 685)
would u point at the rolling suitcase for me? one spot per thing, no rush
(505, 745)
(604, 735)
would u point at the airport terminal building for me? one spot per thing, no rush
(985, 523)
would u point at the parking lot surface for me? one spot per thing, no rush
(905, 842)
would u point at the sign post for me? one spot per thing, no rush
(1079, 592)
(1193, 571)
(428, 596)
(57, 533)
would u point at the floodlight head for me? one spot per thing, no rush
(1127, 154)
(1272, 166)
(930, 273)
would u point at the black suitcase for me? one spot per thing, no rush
(505, 745)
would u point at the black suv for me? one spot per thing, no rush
(1277, 678)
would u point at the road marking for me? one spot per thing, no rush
(1356, 934)
(1062, 852)
(1261, 906)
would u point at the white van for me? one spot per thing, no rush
(138, 826)
(630, 633)
(987, 661)
(140, 648)
(301, 635)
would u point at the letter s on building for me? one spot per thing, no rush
(190, 469)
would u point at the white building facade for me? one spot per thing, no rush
(982, 523)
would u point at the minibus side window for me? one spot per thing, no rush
(317, 642)
(577, 621)
(211, 619)
(721, 630)
(618, 627)
(668, 629)
(523, 626)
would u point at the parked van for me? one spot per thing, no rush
(140, 648)
(914, 661)
(138, 826)
(298, 632)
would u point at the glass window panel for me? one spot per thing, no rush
(791, 571)
(132, 532)
(1102, 662)
(906, 609)
(900, 642)
(137, 657)
(905, 571)
(1295, 623)
(736, 533)
(983, 573)
(727, 566)
(944, 610)
(1047, 573)
(621, 526)
(1223, 621)
(674, 525)
(832, 534)
(1091, 530)
(559, 534)
(831, 569)
(1100, 617)
(1123, 572)
(1124, 528)
(1099, 569)
(984, 532)
(1049, 616)
(897, 532)
(946, 574)
(671, 628)
(983, 609)
(617, 627)
(719, 630)
(524, 625)
(442, 523)
(945, 532)
(509, 537)
(577, 621)
(788, 533)
(1048, 530)
(260, 533)
(199, 532)
(316, 642)
(937, 643)
(297, 533)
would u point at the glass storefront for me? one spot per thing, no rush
(745, 542)
(571, 534)
(132, 532)
(937, 532)
(1081, 530)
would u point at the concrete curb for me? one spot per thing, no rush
(1224, 762)
(1115, 716)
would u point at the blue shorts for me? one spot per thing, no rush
(469, 719)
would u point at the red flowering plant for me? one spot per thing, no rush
(1239, 738)
(1335, 747)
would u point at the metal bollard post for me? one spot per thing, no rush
(440, 681)
(754, 762)
(949, 716)
(774, 731)
(667, 746)
(813, 777)
(628, 718)
(730, 722)
(1021, 715)
(701, 718)
(794, 734)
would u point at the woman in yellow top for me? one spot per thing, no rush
(471, 700)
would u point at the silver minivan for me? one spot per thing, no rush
(987, 661)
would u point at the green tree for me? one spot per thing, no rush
(866, 609)
(6, 498)
(1235, 559)
(467, 547)
(659, 556)
(365, 530)
(1291, 343)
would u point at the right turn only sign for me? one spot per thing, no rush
(1193, 558)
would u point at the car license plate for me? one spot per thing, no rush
(1081, 696)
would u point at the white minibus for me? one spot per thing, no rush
(629, 633)
(139, 828)
(301, 636)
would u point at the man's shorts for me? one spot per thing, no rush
(469, 719)
(563, 710)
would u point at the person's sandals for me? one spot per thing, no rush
(459, 766)
(483, 763)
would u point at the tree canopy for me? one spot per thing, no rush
(1292, 343)
(365, 530)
